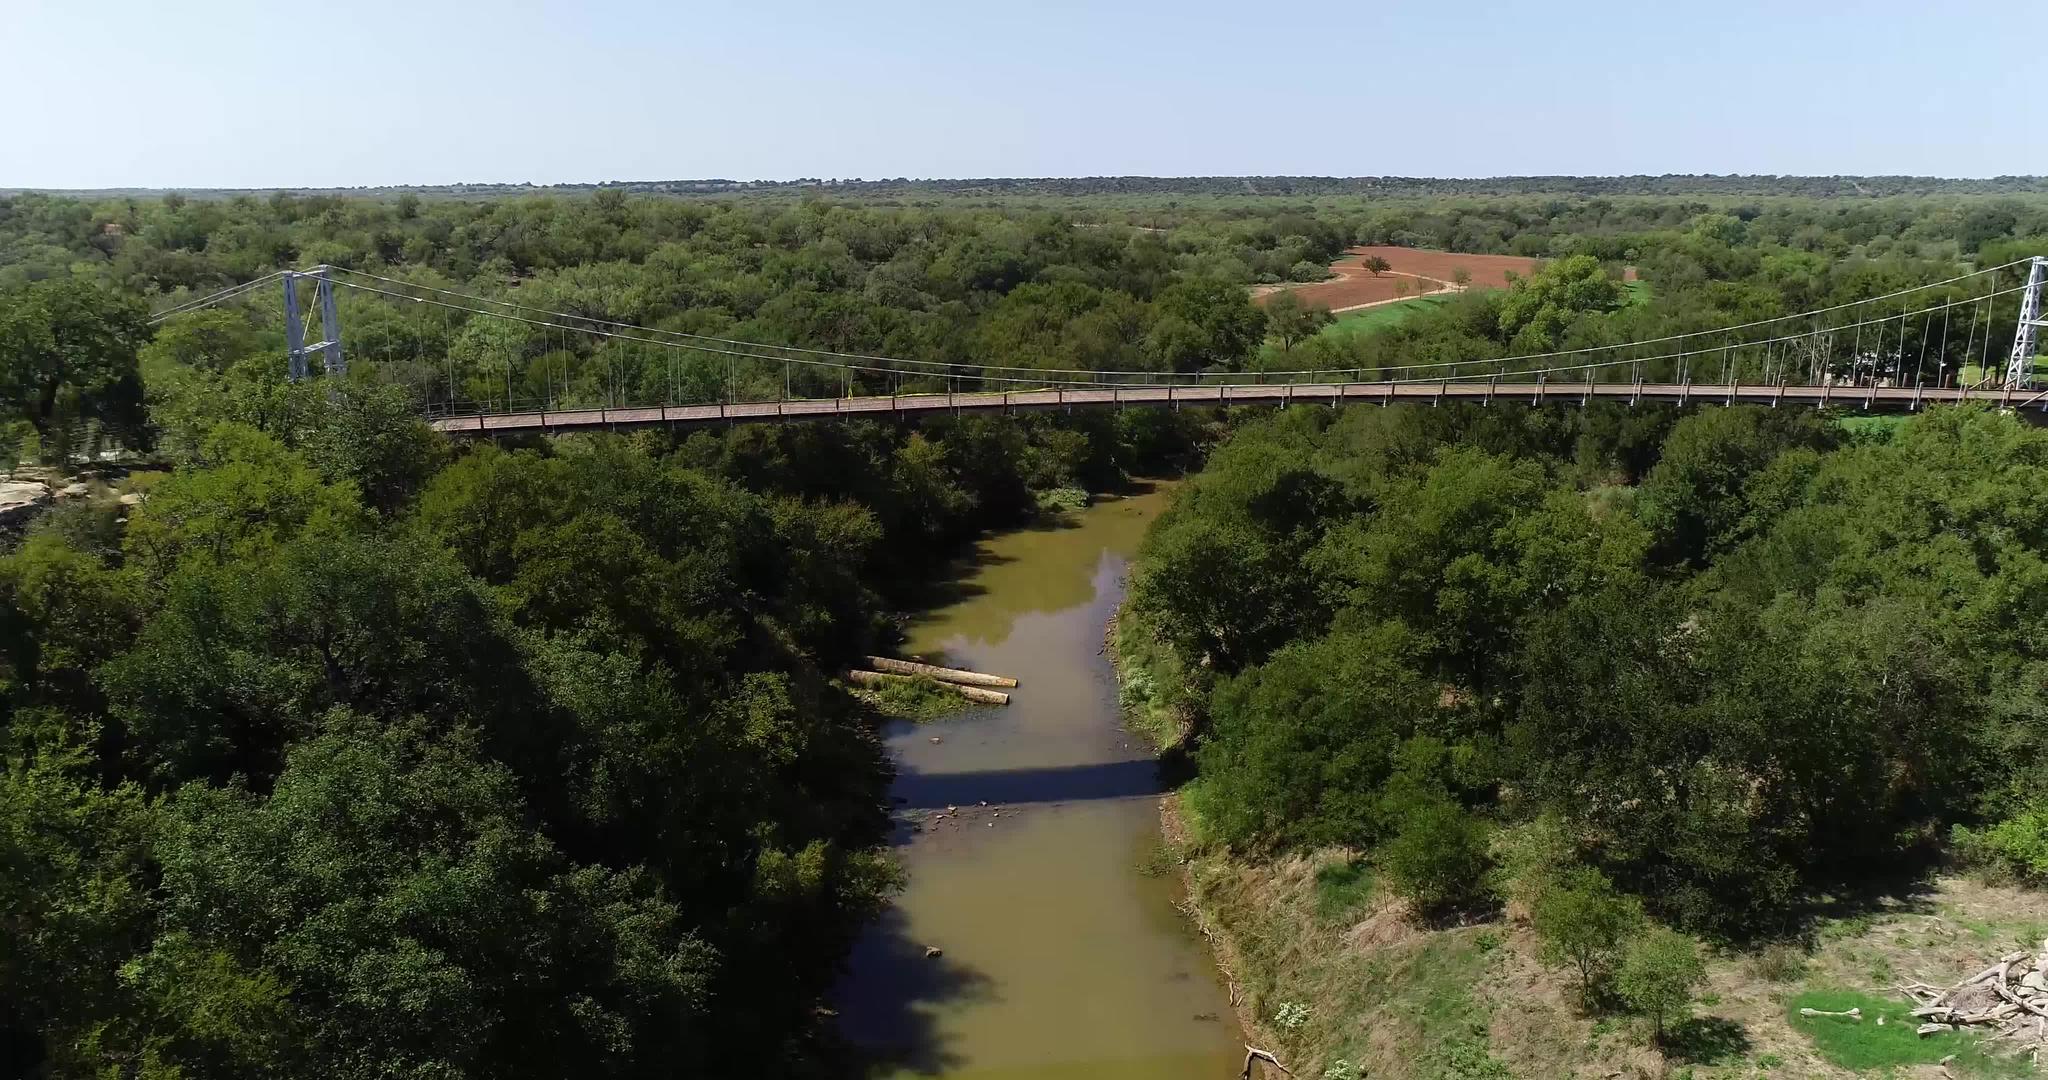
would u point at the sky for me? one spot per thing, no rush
(234, 93)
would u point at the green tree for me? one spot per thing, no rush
(73, 902)
(1584, 921)
(68, 353)
(1464, 551)
(186, 404)
(1377, 264)
(1292, 319)
(62, 614)
(1537, 310)
(1247, 526)
(371, 437)
(209, 339)
(1694, 498)
(1204, 322)
(486, 356)
(15, 437)
(1303, 745)
(252, 496)
(1660, 972)
(931, 499)
(419, 922)
(1068, 324)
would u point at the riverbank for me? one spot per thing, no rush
(1338, 978)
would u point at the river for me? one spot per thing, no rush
(1062, 957)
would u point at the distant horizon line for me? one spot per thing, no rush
(712, 184)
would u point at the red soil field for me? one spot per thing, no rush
(1424, 271)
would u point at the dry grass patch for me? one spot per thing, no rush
(1327, 967)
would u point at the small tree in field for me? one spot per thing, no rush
(1378, 264)
(1461, 277)
(1584, 921)
(1659, 974)
(1401, 287)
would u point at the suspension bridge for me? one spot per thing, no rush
(562, 371)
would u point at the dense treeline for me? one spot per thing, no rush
(537, 772)
(1079, 284)
(1734, 660)
(950, 286)
(163, 245)
(1023, 289)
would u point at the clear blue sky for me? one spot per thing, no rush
(235, 93)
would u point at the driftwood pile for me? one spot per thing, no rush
(2010, 996)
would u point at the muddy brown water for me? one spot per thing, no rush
(1062, 957)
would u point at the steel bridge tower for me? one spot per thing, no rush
(2019, 371)
(330, 324)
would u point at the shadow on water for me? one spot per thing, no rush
(963, 578)
(901, 992)
(1017, 787)
(953, 585)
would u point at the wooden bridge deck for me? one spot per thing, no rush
(1868, 398)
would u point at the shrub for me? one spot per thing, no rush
(1779, 963)
(1529, 857)
(1291, 1015)
(917, 698)
(1062, 499)
(1464, 1057)
(1437, 857)
(2017, 846)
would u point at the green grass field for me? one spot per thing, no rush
(1366, 320)
(1868, 1045)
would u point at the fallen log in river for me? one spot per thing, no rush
(955, 676)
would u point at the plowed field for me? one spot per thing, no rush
(1423, 271)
